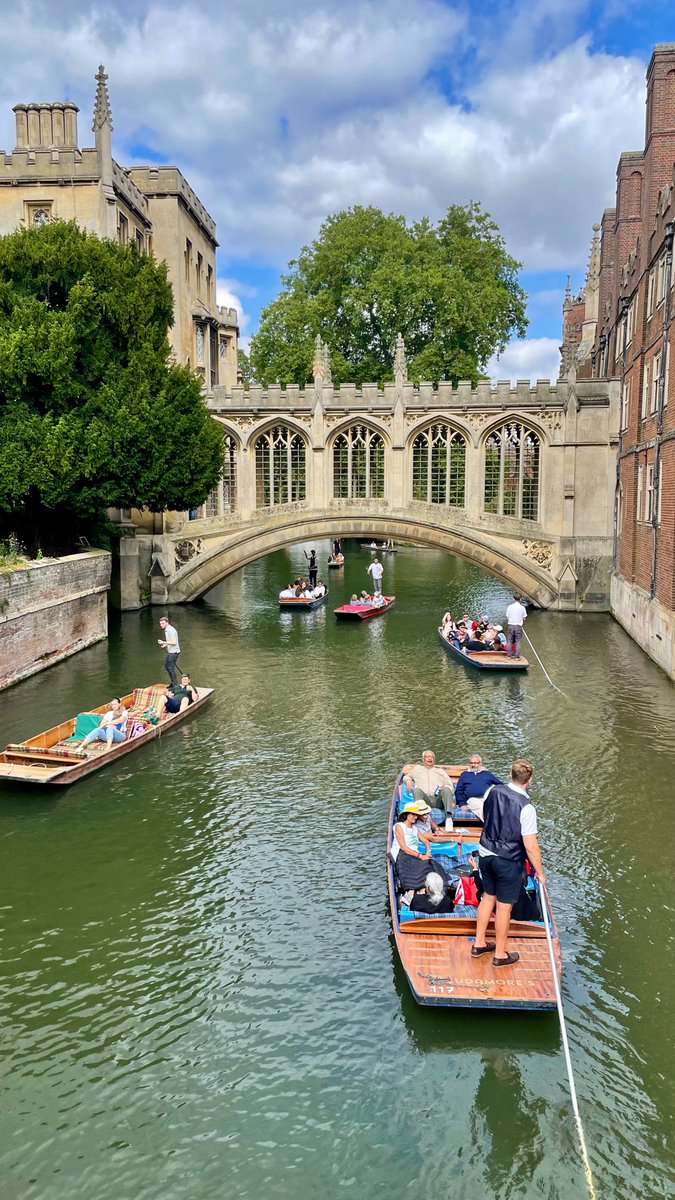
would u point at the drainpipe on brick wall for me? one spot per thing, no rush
(624, 305)
(656, 494)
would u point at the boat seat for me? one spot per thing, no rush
(60, 750)
(461, 910)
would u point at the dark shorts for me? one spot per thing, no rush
(173, 704)
(502, 877)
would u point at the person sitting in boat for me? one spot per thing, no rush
(319, 590)
(355, 599)
(474, 643)
(111, 728)
(176, 700)
(287, 593)
(428, 826)
(433, 785)
(436, 897)
(378, 600)
(499, 638)
(365, 598)
(410, 852)
(472, 785)
(373, 545)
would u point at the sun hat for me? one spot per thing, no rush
(421, 808)
(411, 807)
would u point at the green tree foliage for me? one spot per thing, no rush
(451, 289)
(92, 413)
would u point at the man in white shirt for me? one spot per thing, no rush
(376, 571)
(433, 785)
(170, 644)
(509, 837)
(515, 615)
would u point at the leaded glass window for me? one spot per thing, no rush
(280, 473)
(512, 465)
(439, 466)
(358, 464)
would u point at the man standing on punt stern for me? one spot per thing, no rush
(509, 836)
(170, 644)
(376, 571)
(515, 615)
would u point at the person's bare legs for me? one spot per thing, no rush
(485, 911)
(502, 922)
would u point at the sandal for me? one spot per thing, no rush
(508, 961)
(476, 951)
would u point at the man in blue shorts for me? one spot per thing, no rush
(509, 837)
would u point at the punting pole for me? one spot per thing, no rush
(566, 1047)
(553, 685)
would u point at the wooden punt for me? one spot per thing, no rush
(379, 549)
(334, 563)
(45, 759)
(484, 660)
(302, 603)
(435, 952)
(363, 612)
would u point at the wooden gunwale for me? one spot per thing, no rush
(484, 660)
(436, 953)
(302, 603)
(62, 770)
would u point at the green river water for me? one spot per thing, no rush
(200, 996)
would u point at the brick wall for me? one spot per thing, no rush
(50, 610)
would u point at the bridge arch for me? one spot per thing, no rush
(207, 569)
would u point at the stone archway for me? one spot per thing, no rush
(205, 570)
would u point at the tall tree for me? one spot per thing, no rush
(92, 413)
(451, 289)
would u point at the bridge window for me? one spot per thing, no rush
(279, 467)
(439, 466)
(358, 464)
(512, 456)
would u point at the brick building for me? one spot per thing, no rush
(628, 329)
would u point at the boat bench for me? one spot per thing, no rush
(60, 750)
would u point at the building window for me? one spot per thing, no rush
(122, 229)
(213, 355)
(649, 496)
(512, 457)
(280, 475)
(619, 512)
(40, 216)
(640, 489)
(646, 376)
(229, 482)
(661, 280)
(651, 292)
(358, 464)
(630, 320)
(211, 504)
(439, 466)
(200, 263)
(140, 241)
(199, 345)
(625, 404)
(656, 377)
(209, 284)
(187, 259)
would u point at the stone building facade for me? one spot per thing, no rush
(628, 336)
(49, 177)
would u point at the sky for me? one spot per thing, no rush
(280, 112)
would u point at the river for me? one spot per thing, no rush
(200, 995)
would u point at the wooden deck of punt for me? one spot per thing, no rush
(436, 953)
(302, 603)
(25, 765)
(363, 612)
(484, 660)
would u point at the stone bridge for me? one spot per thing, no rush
(520, 480)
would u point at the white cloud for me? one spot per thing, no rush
(531, 358)
(228, 293)
(289, 112)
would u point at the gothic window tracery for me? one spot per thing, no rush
(280, 470)
(439, 466)
(358, 464)
(512, 468)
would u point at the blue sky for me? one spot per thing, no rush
(280, 112)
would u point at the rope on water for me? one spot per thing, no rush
(566, 1047)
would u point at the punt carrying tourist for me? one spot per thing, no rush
(435, 935)
(365, 607)
(478, 642)
(300, 597)
(76, 747)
